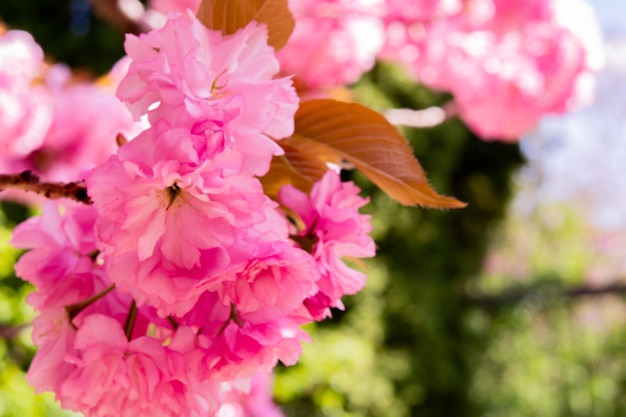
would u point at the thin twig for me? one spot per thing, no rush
(75, 309)
(27, 181)
(173, 322)
(131, 319)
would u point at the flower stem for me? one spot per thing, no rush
(74, 310)
(173, 322)
(131, 318)
(234, 316)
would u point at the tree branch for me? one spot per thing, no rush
(583, 291)
(27, 181)
(548, 290)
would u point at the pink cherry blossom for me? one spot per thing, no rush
(529, 70)
(54, 336)
(133, 378)
(526, 78)
(65, 268)
(335, 229)
(238, 345)
(86, 120)
(407, 22)
(54, 329)
(21, 58)
(25, 108)
(60, 246)
(507, 64)
(169, 218)
(348, 35)
(181, 284)
(193, 77)
(273, 283)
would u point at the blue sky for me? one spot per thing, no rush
(580, 157)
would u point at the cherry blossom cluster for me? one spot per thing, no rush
(178, 291)
(348, 36)
(53, 124)
(507, 63)
(183, 285)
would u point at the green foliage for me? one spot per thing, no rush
(553, 352)
(556, 359)
(17, 398)
(67, 30)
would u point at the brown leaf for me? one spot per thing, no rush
(232, 15)
(328, 131)
(295, 167)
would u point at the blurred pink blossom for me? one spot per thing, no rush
(256, 401)
(334, 42)
(166, 6)
(74, 124)
(86, 120)
(507, 64)
(25, 106)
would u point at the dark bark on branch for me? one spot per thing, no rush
(27, 181)
(547, 291)
(583, 291)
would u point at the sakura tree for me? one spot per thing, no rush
(192, 236)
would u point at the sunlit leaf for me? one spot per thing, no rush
(232, 15)
(329, 131)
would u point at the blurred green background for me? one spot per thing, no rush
(482, 311)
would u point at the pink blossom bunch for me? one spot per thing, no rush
(83, 336)
(25, 106)
(86, 119)
(66, 268)
(334, 231)
(506, 63)
(223, 86)
(348, 35)
(406, 24)
(52, 125)
(184, 281)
